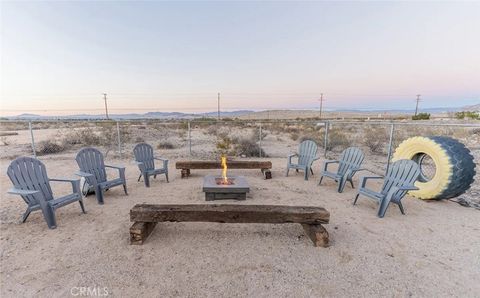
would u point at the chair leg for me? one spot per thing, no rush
(306, 173)
(383, 207)
(311, 171)
(341, 185)
(166, 176)
(351, 183)
(139, 177)
(125, 188)
(146, 178)
(25, 215)
(320, 182)
(49, 215)
(155, 176)
(401, 208)
(288, 169)
(356, 198)
(99, 195)
(81, 206)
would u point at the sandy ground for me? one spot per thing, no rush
(432, 251)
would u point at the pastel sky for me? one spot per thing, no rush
(59, 57)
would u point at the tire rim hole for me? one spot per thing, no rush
(427, 166)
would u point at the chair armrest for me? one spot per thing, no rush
(363, 179)
(409, 187)
(83, 174)
(63, 179)
(290, 156)
(22, 192)
(141, 165)
(121, 171)
(327, 162)
(165, 161)
(75, 183)
(114, 167)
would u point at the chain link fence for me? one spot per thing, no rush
(209, 138)
(206, 139)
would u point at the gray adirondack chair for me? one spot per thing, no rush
(348, 164)
(30, 181)
(145, 160)
(92, 168)
(400, 178)
(307, 154)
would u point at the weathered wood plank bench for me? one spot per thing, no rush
(186, 166)
(146, 216)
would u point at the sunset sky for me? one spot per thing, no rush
(59, 57)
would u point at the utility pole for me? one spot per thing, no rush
(218, 106)
(418, 100)
(106, 109)
(321, 105)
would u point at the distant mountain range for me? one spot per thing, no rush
(149, 115)
(232, 114)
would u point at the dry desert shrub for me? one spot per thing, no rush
(256, 134)
(49, 147)
(338, 139)
(376, 139)
(248, 147)
(104, 135)
(4, 141)
(84, 137)
(165, 145)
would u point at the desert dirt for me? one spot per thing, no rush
(433, 251)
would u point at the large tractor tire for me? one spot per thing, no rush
(447, 166)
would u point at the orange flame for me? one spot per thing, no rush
(224, 170)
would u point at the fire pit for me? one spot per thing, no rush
(223, 187)
(215, 188)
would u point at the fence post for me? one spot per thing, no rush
(189, 139)
(390, 144)
(325, 141)
(32, 138)
(118, 140)
(260, 141)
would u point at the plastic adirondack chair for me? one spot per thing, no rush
(92, 168)
(400, 178)
(348, 164)
(30, 181)
(307, 152)
(145, 160)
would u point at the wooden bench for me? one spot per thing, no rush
(146, 216)
(186, 166)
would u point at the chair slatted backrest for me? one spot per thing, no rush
(403, 172)
(351, 157)
(90, 160)
(144, 153)
(307, 151)
(27, 173)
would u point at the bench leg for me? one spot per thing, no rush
(139, 232)
(317, 233)
(267, 173)
(185, 173)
